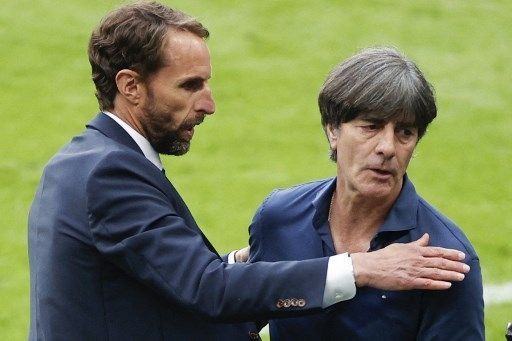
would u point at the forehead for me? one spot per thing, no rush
(185, 52)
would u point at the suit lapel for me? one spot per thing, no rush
(110, 128)
(187, 215)
(113, 130)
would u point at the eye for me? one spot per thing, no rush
(407, 133)
(195, 84)
(370, 126)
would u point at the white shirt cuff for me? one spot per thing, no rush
(340, 284)
(231, 257)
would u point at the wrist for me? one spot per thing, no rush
(358, 264)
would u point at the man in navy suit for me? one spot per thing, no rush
(375, 106)
(114, 251)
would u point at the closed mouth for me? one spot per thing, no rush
(381, 171)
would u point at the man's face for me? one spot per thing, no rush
(178, 95)
(373, 155)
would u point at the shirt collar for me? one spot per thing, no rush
(321, 204)
(402, 215)
(147, 149)
(322, 201)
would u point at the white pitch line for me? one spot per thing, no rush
(498, 293)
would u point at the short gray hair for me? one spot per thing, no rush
(379, 81)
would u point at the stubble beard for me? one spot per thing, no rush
(164, 140)
(170, 144)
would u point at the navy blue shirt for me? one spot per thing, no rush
(291, 224)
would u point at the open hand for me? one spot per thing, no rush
(409, 266)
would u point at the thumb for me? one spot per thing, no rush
(423, 241)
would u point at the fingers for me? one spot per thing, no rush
(441, 275)
(423, 241)
(242, 255)
(446, 264)
(433, 251)
(409, 266)
(429, 284)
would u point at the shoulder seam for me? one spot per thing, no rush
(437, 214)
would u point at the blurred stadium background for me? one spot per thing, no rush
(269, 60)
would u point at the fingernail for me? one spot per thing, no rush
(462, 255)
(465, 267)
(461, 277)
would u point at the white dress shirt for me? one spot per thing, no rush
(141, 141)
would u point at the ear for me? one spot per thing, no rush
(130, 85)
(332, 135)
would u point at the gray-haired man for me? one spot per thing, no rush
(374, 109)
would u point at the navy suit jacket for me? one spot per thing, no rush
(115, 254)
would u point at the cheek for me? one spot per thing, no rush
(180, 107)
(350, 161)
(355, 152)
(173, 109)
(406, 157)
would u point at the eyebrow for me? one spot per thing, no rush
(371, 118)
(406, 124)
(374, 118)
(192, 79)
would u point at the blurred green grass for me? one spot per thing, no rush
(269, 59)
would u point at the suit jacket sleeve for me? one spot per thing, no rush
(137, 225)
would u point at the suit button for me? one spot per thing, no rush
(280, 303)
(287, 303)
(294, 302)
(254, 336)
(301, 302)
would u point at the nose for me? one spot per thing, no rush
(206, 103)
(386, 142)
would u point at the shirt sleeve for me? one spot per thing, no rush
(340, 283)
(231, 257)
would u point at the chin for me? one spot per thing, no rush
(175, 148)
(377, 191)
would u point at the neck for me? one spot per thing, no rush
(355, 219)
(129, 115)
